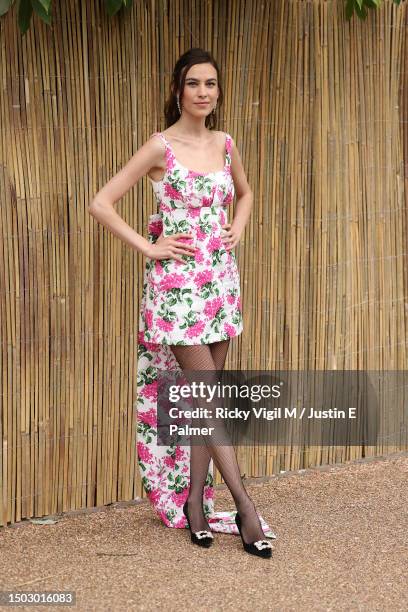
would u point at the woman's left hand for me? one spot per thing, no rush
(231, 236)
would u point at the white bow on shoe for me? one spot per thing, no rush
(203, 534)
(260, 544)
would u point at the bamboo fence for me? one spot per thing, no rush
(318, 109)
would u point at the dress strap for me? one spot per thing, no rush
(166, 144)
(228, 148)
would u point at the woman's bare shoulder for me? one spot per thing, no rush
(155, 149)
(223, 135)
(155, 143)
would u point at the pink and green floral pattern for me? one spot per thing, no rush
(196, 301)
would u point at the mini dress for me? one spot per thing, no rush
(196, 301)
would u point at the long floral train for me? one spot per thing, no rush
(165, 470)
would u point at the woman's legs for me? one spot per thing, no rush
(199, 455)
(199, 357)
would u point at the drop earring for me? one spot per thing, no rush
(178, 104)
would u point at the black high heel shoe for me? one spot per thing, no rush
(261, 548)
(202, 538)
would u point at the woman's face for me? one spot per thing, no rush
(201, 85)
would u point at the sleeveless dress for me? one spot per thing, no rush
(196, 301)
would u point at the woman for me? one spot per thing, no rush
(191, 294)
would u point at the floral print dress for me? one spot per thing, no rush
(196, 301)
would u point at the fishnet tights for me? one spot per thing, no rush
(212, 357)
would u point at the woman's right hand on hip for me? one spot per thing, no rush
(171, 247)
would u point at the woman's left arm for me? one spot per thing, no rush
(243, 205)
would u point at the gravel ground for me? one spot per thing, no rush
(342, 545)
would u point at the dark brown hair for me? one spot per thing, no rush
(183, 64)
